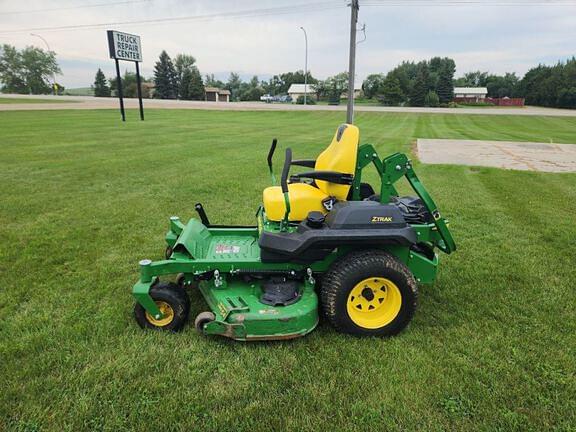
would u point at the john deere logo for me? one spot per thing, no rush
(381, 219)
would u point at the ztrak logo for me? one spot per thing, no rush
(381, 219)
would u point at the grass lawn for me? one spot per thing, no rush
(84, 197)
(4, 100)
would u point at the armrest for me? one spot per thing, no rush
(329, 176)
(308, 163)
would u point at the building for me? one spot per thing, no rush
(297, 90)
(357, 92)
(148, 89)
(470, 94)
(214, 94)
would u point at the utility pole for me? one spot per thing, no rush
(53, 74)
(305, 66)
(352, 64)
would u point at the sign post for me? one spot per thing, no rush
(119, 89)
(139, 87)
(125, 46)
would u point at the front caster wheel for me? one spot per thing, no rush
(202, 319)
(369, 293)
(168, 252)
(174, 304)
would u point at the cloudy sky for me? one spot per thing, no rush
(262, 37)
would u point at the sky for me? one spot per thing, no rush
(263, 37)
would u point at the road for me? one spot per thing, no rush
(88, 102)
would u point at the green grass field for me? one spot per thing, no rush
(84, 197)
(7, 100)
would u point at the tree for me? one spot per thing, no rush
(252, 90)
(406, 74)
(185, 82)
(321, 90)
(196, 87)
(39, 68)
(473, 79)
(502, 85)
(101, 88)
(431, 99)
(130, 86)
(567, 97)
(211, 81)
(274, 86)
(11, 70)
(421, 85)
(181, 63)
(335, 86)
(27, 71)
(445, 84)
(279, 84)
(165, 78)
(234, 83)
(390, 93)
(372, 84)
(188, 78)
(552, 86)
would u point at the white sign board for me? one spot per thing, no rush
(124, 46)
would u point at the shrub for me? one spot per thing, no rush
(431, 99)
(477, 104)
(309, 100)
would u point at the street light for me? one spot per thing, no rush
(53, 74)
(305, 65)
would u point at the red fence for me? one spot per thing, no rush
(492, 101)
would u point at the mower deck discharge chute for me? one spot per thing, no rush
(323, 241)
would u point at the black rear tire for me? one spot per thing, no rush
(349, 273)
(174, 303)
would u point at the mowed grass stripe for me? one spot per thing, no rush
(84, 197)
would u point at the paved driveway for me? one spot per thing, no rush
(526, 156)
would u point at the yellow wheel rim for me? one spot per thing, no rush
(166, 310)
(374, 302)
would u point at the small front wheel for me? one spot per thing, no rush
(202, 319)
(369, 293)
(174, 304)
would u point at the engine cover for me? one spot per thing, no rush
(365, 215)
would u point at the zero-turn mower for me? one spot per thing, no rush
(324, 242)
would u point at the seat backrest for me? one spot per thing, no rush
(340, 156)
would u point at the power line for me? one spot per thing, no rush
(97, 5)
(469, 3)
(282, 10)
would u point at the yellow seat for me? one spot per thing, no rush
(340, 156)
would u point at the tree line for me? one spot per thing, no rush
(550, 86)
(426, 83)
(178, 79)
(181, 79)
